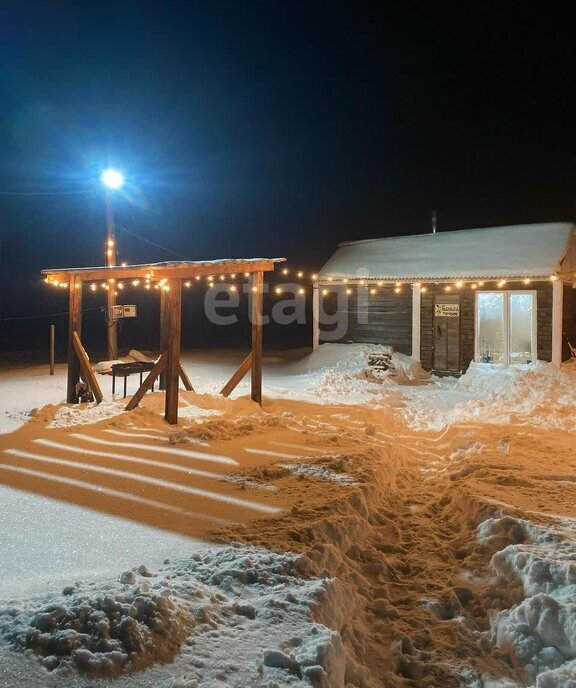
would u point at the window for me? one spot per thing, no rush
(506, 327)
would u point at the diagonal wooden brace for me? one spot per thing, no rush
(85, 369)
(238, 375)
(145, 386)
(185, 379)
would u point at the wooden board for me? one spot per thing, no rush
(86, 369)
(185, 379)
(238, 376)
(145, 386)
(158, 272)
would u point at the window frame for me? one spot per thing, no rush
(506, 323)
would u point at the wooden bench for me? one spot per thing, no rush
(126, 369)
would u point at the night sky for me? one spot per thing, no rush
(272, 128)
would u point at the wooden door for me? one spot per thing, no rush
(447, 333)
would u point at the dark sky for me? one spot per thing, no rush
(277, 128)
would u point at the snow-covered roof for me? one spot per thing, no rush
(533, 250)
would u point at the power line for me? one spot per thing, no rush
(50, 315)
(153, 243)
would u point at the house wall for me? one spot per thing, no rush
(569, 320)
(382, 318)
(468, 320)
(386, 318)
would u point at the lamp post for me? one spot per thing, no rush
(112, 180)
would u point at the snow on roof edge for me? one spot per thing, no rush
(509, 251)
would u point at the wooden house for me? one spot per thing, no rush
(499, 295)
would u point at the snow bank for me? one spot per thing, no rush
(538, 394)
(246, 608)
(540, 630)
(341, 372)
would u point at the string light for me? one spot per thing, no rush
(147, 286)
(110, 243)
(472, 286)
(481, 283)
(187, 284)
(380, 283)
(232, 287)
(124, 264)
(362, 282)
(300, 274)
(120, 285)
(324, 292)
(93, 287)
(285, 271)
(136, 282)
(301, 291)
(246, 274)
(501, 283)
(348, 291)
(397, 290)
(424, 289)
(314, 277)
(222, 278)
(459, 284)
(527, 280)
(233, 275)
(278, 290)
(447, 288)
(398, 284)
(553, 278)
(373, 291)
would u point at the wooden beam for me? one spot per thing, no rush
(173, 317)
(158, 272)
(74, 325)
(257, 295)
(315, 317)
(238, 376)
(185, 379)
(557, 328)
(163, 334)
(416, 308)
(86, 369)
(148, 382)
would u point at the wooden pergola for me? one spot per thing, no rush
(171, 275)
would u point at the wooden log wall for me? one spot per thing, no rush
(382, 318)
(386, 317)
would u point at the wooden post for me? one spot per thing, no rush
(256, 318)
(52, 344)
(557, 310)
(74, 325)
(416, 302)
(163, 334)
(173, 318)
(315, 317)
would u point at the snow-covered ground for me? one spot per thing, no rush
(362, 529)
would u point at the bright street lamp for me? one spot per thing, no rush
(112, 179)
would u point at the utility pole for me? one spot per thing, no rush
(110, 254)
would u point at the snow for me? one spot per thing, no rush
(359, 530)
(533, 250)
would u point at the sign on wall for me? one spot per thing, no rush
(447, 310)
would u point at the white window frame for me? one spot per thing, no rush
(506, 322)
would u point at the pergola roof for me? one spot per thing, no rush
(166, 270)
